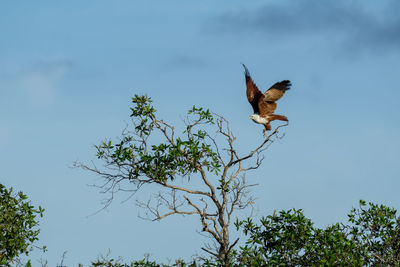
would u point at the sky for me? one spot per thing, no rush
(69, 69)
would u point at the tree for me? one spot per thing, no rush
(372, 238)
(211, 170)
(18, 225)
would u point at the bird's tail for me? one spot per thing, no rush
(277, 117)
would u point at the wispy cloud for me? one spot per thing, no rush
(39, 83)
(349, 21)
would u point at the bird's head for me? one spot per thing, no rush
(253, 117)
(258, 119)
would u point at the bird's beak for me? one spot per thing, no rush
(249, 117)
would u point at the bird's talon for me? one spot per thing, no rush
(265, 132)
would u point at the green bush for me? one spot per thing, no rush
(370, 238)
(18, 225)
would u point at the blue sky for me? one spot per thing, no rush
(68, 70)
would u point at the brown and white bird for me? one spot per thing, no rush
(264, 104)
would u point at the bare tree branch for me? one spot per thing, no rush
(136, 162)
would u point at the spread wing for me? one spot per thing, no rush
(266, 104)
(276, 91)
(253, 93)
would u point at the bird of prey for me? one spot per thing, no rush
(264, 104)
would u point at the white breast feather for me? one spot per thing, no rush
(258, 119)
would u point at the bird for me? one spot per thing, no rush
(264, 105)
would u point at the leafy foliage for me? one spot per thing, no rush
(289, 238)
(106, 261)
(161, 162)
(116, 263)
(377, 229)
(18, 225)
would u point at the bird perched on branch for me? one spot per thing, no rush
(264, 104)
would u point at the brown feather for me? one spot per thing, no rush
(273, 94)
(273, 117)
(252, 92)
(266, 108)
(277, 90)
